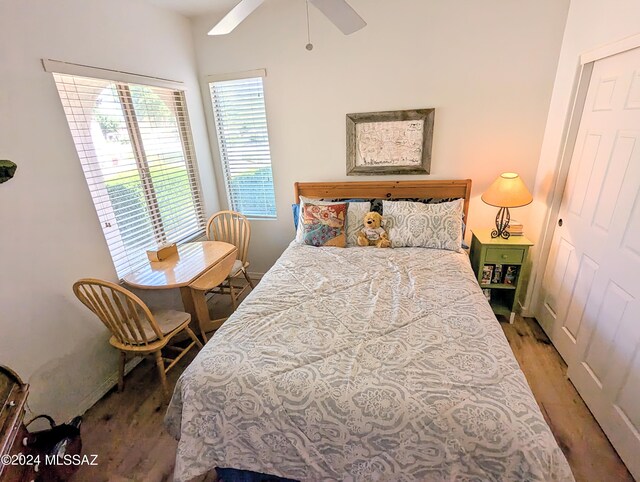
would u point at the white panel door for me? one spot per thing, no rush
(591, 290)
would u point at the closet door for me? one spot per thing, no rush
(591, 291)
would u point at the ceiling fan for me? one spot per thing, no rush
(337, 11)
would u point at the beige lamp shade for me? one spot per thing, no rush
(508, 191)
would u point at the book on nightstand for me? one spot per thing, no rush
(487, 273)
(497, 274)
(510, 275)
(515, 228)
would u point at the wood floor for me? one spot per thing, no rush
(126, 431)
(588, 451)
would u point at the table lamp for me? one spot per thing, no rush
(508, 191)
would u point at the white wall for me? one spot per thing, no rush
(590, 24)
(49, 231)
(487, 67)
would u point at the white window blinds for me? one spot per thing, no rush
(134, 143)
(241, 125)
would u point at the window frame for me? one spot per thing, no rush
(122, 82)
(214, 138)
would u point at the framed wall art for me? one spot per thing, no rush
(392, 142)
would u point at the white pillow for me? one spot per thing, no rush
(424, 225)
(355, 220)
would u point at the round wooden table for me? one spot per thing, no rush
(196, 268)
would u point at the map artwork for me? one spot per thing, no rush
(396, 143)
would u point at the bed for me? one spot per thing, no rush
(363, 364)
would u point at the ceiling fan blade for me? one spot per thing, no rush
(341, 14)
(237, 14)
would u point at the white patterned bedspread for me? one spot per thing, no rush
(363, 364)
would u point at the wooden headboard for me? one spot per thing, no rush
(460, 189)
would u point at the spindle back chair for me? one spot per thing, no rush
(134, 327)
(234, 228)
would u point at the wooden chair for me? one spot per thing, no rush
(135, 328)
(233, 228)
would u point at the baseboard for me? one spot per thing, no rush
(256, 276)
(95, 396)
(525, 311)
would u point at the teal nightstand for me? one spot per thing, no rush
(500, 267)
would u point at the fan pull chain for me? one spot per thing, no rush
(309, 45)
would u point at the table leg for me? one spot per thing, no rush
(202, 311)
(193, 304)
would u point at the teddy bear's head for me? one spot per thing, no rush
(372, 220)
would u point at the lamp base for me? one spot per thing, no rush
(502, 223)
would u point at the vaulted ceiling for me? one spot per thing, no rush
(191, 8)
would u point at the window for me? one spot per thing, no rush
(134, 143)
(241, 125)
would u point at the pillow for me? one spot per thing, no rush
(323, 224)
(303, 200)
(355, 219)
(376, 204)
(295, 208)
(424, 225)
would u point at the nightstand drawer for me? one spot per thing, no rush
(504, 255)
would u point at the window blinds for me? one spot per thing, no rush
(134, 143)
(241, 125)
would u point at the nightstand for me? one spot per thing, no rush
(500, 267)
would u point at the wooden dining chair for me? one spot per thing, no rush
(234, 228)
(135, 328)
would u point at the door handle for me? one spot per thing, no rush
(560, 222)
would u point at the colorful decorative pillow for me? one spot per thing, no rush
(424, 225)
(295, 208)
(317, 202)
(324, 225)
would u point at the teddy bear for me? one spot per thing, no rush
(373, 234)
